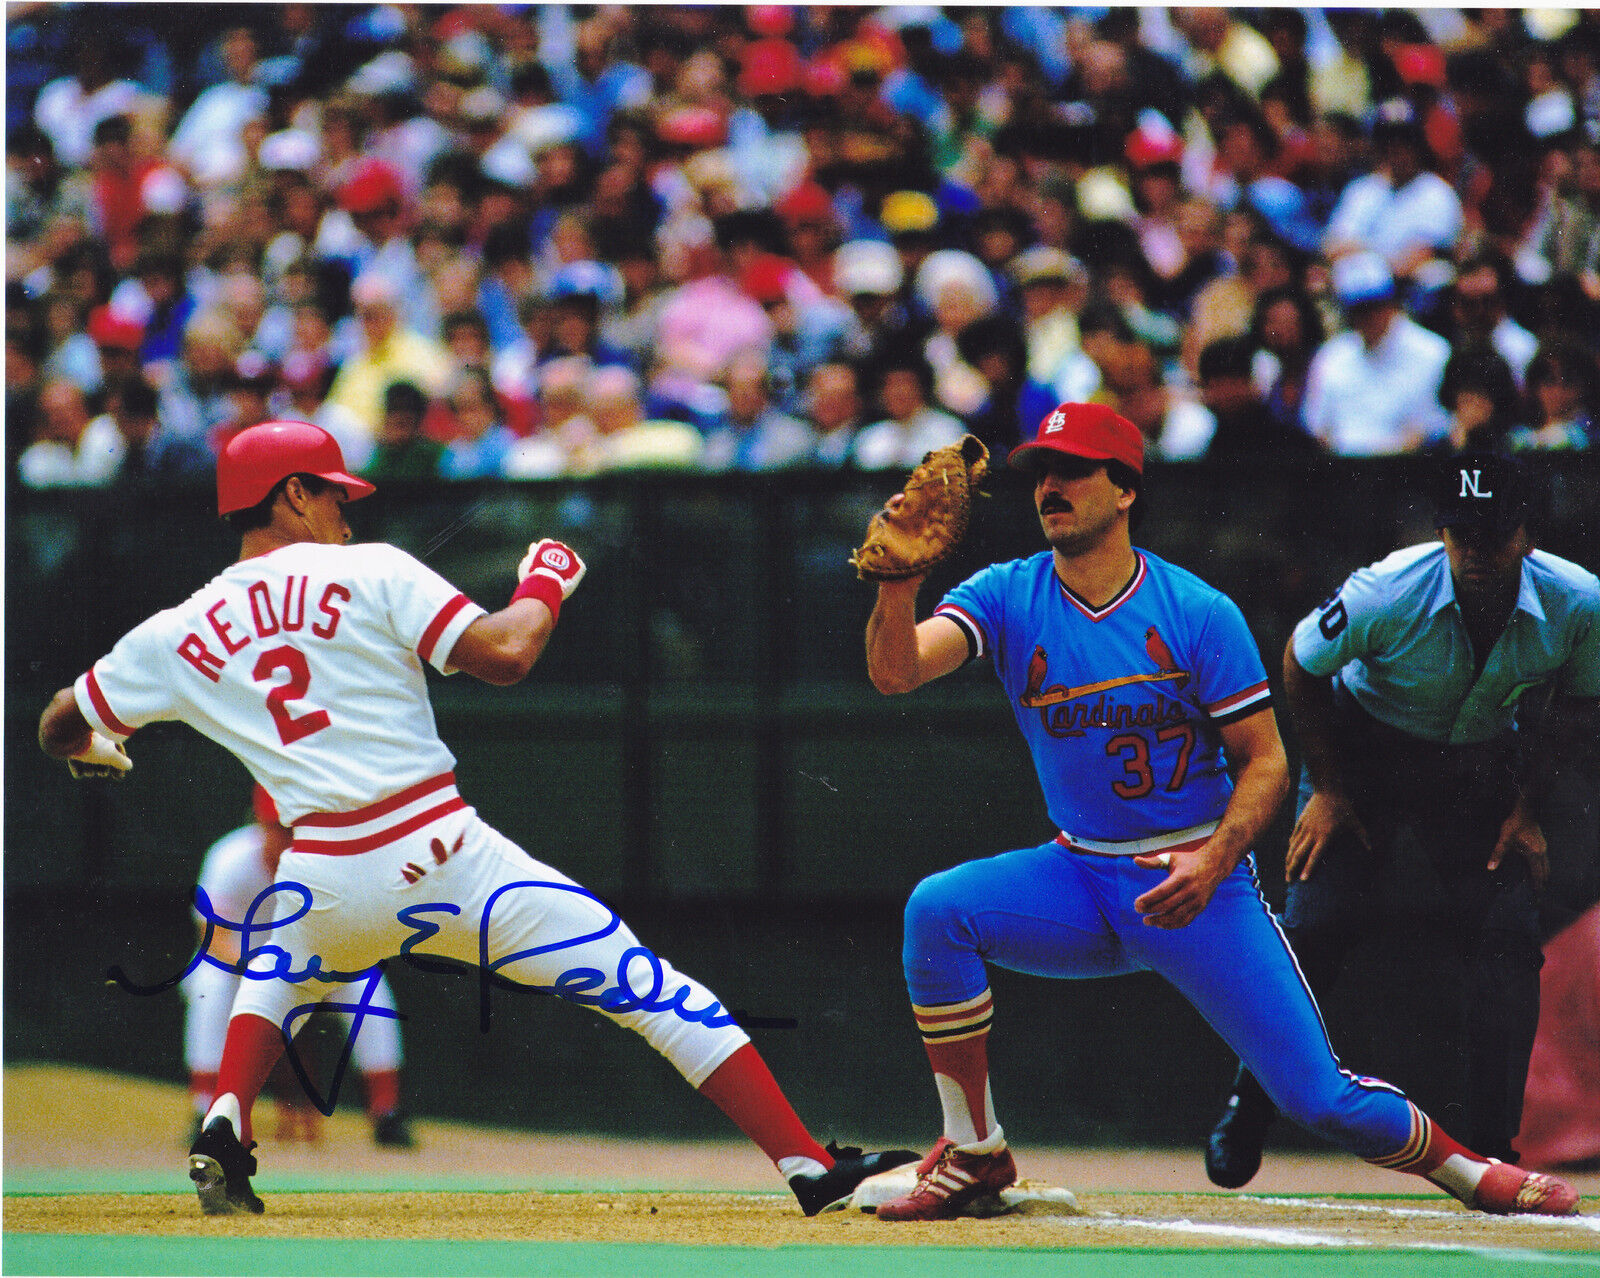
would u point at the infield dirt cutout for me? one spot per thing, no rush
(707, 1193)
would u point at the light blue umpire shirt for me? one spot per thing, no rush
(1394, 635)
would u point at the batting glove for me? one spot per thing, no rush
(102, 757)
(549, 572)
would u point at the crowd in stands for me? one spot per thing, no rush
(530, 242)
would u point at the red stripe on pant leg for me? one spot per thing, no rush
(743, 1088)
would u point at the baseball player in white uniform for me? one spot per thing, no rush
(236, 869)
(305, 660)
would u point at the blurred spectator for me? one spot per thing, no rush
(401, 451)
(1226, 306)
(1401, 209)
(1245, 427)
(1479, 391)
(1561, 383)
(833, 403)
(911, 425)
(958, 291)
(208, 141)
(703, 323)
(251, 384)
(69, 108)
(1286, 330)
(755, 434)
(151, 454)
(195, 395)
(480, 441)
(389, 352)
(1013, 403)
(564, 430)
(1052, 287)
(69, 449)
(624, 438)
(1478, 311)
(1375, 388)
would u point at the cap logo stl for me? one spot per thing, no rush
(1055, 422)
(1472, 485)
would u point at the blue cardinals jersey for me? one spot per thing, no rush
(1121, 705)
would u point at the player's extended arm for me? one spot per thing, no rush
(501, 647)
(903, 655)
(1329, 809)
(1260, 782)
(64, 733)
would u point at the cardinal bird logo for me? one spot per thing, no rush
(1036, 696)
(1156, 646)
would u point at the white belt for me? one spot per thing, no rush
(1177, 841)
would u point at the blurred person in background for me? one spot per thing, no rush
(833, 406)
(1479, 391)
(1374, 388)
(480, 439)
(1478, 311)
(1562, 382)
(755, 434)
(389, 351)
(401, 450)
(1286, 330)
(911, 426)
(66, 452)
(1052, 287)
(624, 438)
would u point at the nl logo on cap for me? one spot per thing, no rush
(1472, 482)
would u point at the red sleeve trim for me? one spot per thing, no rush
(102, 707)
(436, 627)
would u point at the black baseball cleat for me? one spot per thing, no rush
(1233, 1151)
(221, 1169)
(850, 1168)
(393, 1131)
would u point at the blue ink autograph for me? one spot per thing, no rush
(268, 962)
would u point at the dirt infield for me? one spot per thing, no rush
(583, 1189)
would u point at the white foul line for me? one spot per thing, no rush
(1587, 1224)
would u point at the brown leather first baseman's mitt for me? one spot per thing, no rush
(912, 534)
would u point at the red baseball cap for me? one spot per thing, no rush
(107, 328)
(1085, 430)
(369, 187)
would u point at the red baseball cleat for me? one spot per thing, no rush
(947, 1180)
(1506, 1190)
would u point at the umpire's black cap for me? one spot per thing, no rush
(1481, 494)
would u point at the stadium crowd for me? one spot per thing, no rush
(544, 241)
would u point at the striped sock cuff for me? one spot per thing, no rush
(952, 1022)
(1414, 1155)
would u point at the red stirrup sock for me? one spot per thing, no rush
(1433, 1154)
(956, 1038)
(202, 1089)
(383, 1092)
(249, 1052)
(743, 1088)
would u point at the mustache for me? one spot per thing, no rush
(1052, 504)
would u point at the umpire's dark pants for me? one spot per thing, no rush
(1452, 799)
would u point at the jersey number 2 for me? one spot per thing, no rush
(291, 728)
(1140, 779)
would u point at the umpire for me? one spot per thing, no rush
(1402, 689)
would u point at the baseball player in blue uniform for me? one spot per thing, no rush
(1402, 689)
(1145, 704)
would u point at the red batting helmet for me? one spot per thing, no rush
(256, 459)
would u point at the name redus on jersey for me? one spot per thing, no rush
(268, 619)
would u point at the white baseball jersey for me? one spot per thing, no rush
(306, 664)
